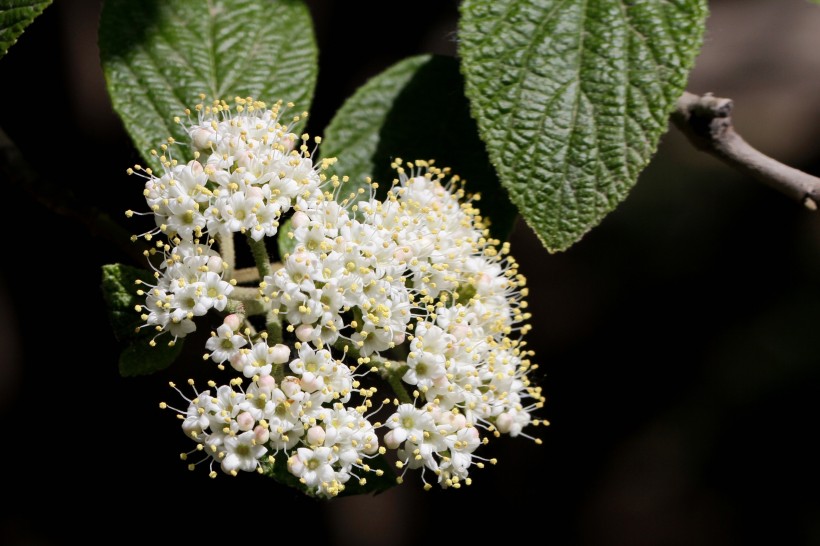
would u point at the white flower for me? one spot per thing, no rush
(314, 468)
(241, 453)
(427, 358)
(258, 360)
(225, 344)
(411, 286)
(408, 423)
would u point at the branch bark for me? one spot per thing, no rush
(707, 123)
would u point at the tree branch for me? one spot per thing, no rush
(707, 123)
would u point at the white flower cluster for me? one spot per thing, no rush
(410, 288)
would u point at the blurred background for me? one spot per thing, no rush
(678, 341)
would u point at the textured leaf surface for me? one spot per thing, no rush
(158, 56)
(572, 96)
(119, 291)
(415, 110)
(284, 244)
(15, 16)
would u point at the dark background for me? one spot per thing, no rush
(678, 339)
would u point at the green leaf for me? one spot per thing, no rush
(374, 484)
(119, 291)
(15, 16)
(119, 286)
(572, 96)
(415, 110)
(284, 244)
(139, 358)
(158, 56)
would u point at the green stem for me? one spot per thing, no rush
(226, 250)
(245, 307)
(395, 382)
(390, 370)
(245, 275)
(274, 326)
(260, 256)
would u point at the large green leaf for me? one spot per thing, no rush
(158, 56)
(120, 294)
(15, 16)
(572, 96)
(415, 110)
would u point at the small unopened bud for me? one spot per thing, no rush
(215, 265)
(261, 434)
(237, 362)
(300, 219)
(391, 441)
(201, 138)
(245, 421)
(316, 435)
(243, 159)
(504, 423)
(288, 142)
(311, 382)
(304, 332)
(254, 192)
(266, 383)
(233, 321)
(290, 386)
(460, 331)
(403, 254)
(280, 354)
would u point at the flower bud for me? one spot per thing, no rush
(215, 265)
(233, 321)
(391, 441)
(300, 219)
(290, 386)
(261, 434)
(304, 332)
(237, 362)
(312, 382)
(504, 423)
(201, 138)
(316, 435)
(245, 421)
(280, 354)
(266, 383)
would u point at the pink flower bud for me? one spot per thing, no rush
(261, 434)
(232, 321)
(237, 362)
(266, 383)
(196, 167)
(290, 386)
(315, 435)
(311, 382)
(245, 421)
